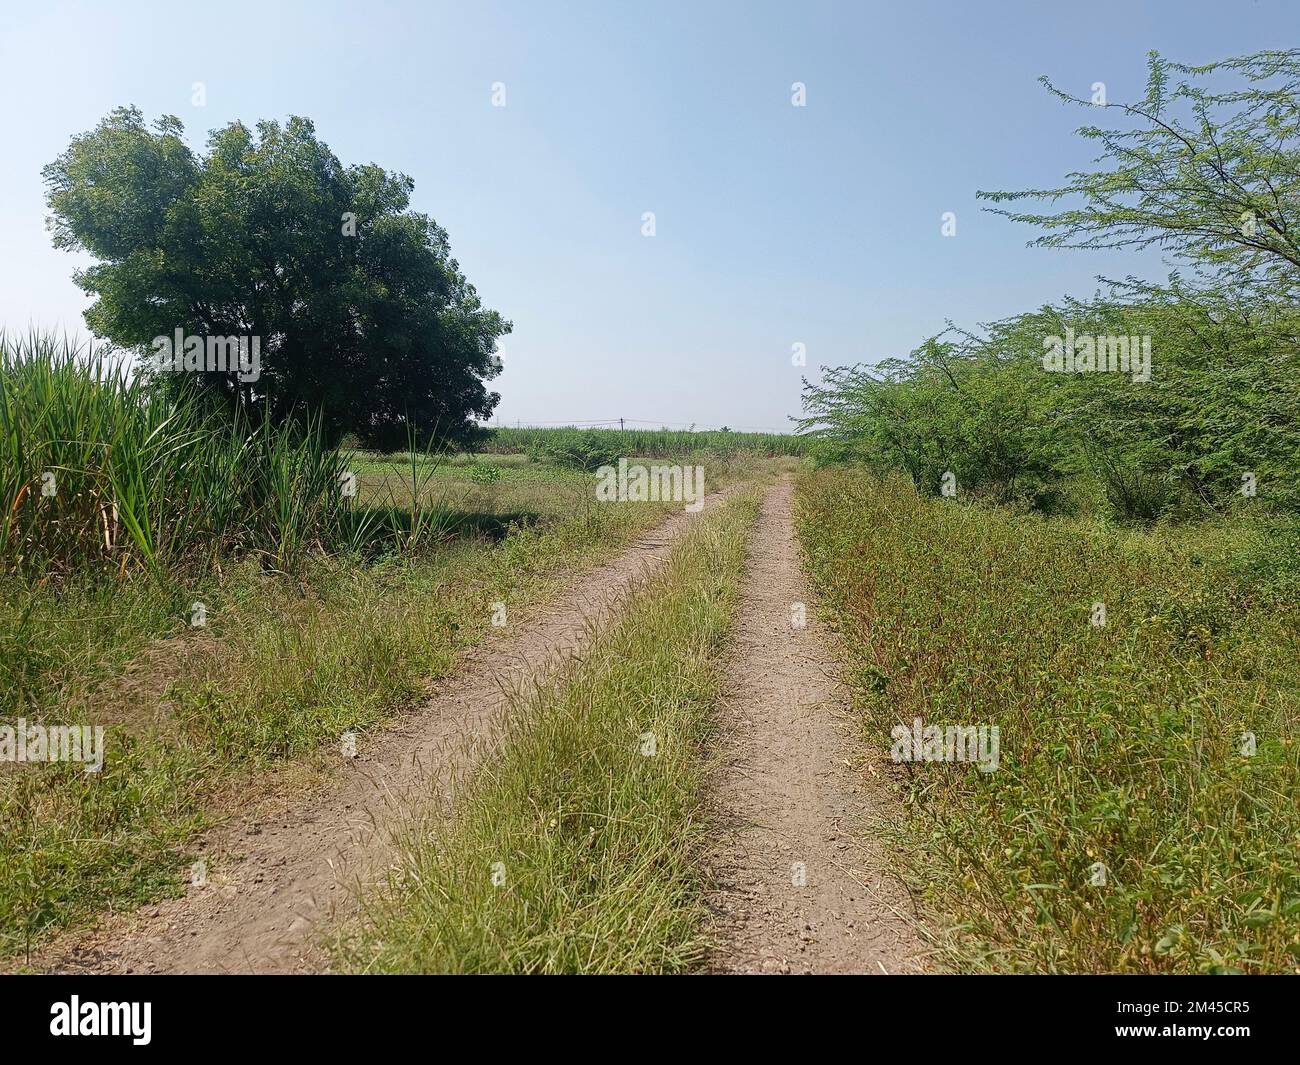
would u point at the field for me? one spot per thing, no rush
(282, 667)
(226, 649)
(651, 443)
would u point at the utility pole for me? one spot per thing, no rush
(620, 425)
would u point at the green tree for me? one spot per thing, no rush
(1207, 169)
(360, 311)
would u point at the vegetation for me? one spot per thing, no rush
(1209, 176)
(594, 837)
(644, 443)
(579, 450)
(363, 319)
(100, 471)
(1218, 415)
(1123, 745)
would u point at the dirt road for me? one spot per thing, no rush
(801, 887)
(274, 883)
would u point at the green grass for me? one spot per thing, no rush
(282, 668)
(596, 842)
(523, 488)
(1119, 745)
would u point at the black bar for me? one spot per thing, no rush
(298, 1014)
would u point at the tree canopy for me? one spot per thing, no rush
(363, 316)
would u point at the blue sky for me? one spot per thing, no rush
(775, 225)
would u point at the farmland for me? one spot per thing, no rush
(332, 614)
(651, 443)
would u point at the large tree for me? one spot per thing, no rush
(363, 317)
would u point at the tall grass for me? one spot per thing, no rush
(594, 836)
(1121, 744)
(97, 469)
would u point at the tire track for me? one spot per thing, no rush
(801, 887)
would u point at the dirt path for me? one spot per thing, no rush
(274, 882)
(800, 888)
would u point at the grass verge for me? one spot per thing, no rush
(1126, 829)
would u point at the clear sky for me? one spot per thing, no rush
(775, 224)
